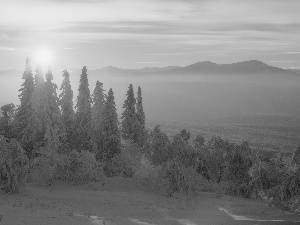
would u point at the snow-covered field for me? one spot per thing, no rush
(125, 201)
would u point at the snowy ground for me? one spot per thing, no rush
(125, 201)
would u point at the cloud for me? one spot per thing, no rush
(165, 54)
(147, 62)
(154, 27)
(3, 48)
(292, 53)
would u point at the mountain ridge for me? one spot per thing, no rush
(244, 67)
(205, 68)
(198, 68)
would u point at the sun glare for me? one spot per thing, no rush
(43, 57)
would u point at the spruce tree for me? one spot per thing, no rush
(158, 147)
(54, 133)
(39, 102)
(66, 103)
(111, 134)
(140, 115)
(25, 123)
(129, 119)
(82, 132)
(97, 110)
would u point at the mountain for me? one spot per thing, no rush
(246, 67)
(116, 70)
(159, 69)
(194, 93)
(252, 67)
(200, 68)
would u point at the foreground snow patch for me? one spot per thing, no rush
(186, 222)
(96, 220)
(240, 218)
(137, 221)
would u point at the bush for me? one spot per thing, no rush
(286, 195)
(42, 170)
(126, 163)
(236, 189)
(157, 147)
(13, 165)
(79, 167)
(82, 167)
(168, 177)
(175, 176)
(271, 173)
(147, 173)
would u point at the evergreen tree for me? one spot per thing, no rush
(82, 132)
(129, 117)
(54, 133)
(141, 128)
(25, 123)
(158, 147)
(111, 134)
(39, 103)
(66, 103)
(8, 112)
(97, 117)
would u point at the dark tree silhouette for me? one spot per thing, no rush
(82, 131)
(99, 99)
(111, 134)
(129, 117)
(66, 103)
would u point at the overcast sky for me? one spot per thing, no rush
(149, 33)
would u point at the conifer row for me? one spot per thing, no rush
(46, 121)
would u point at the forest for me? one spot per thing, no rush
(47, 139)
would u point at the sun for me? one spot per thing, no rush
(43, 56)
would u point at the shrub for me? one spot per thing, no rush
(147, 173)
(83, 167)
(175, 176)
(271, 173)
(281, 177)
(42, 170)
(79, 167)
(126, 163)
(286, 195)
(157, 147)
(218, 156)
(296, 157)
(236, 189)
(168, 177)
(13, 165)
(239, 163)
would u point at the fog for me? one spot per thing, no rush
(183, 98)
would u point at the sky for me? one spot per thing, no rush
(148, 33)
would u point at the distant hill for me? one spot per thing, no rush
(111, 70)
(246, 67)
(200, 68)
(159, 69)
(203, 91)
(252, 67)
